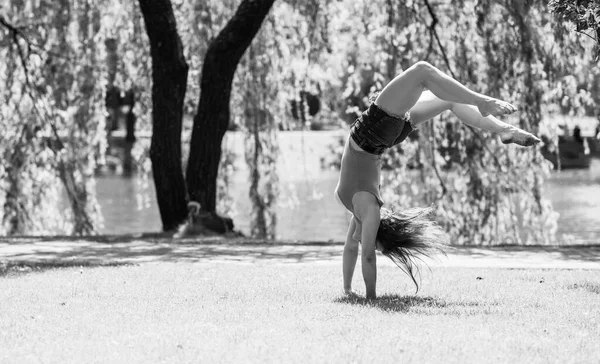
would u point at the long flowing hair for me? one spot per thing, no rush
(410, 236)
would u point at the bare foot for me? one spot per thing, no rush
(495, 107)
(350, 293)
(518, 136)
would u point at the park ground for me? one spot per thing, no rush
(153, 299)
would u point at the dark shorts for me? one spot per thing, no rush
(375, 130)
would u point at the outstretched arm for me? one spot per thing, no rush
(368, 254)
(366, 208)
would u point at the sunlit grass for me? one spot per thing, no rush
(272, 312)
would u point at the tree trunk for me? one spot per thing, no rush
(169, 76)
(212, 117)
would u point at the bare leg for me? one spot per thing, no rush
(429, 106)
(366, 209)
(403, 92)
(349, 257)
(357, 231)
(508, 133)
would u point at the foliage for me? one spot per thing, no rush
(53, 116)
(279, 65)
(260, 106)
(584, 14)
(485, 192)
(343, 51)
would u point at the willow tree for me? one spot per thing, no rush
(169, 82)
(259, 104)
(486, 192)
(52, 116)
(504, 183)
(213, 112)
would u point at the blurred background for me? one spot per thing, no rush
(94, 140)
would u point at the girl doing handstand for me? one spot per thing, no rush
(416, 95)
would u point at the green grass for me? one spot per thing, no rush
(276, 312)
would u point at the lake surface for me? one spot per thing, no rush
(575, 194)
(309, 211)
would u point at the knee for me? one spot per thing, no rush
(368, 255)
(423, 68)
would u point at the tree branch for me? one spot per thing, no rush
(14, 34)
(213, 113)
(17, 33)
(432, 30)
(432, 25)
(587, 35)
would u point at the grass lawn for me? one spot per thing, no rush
(281, 313)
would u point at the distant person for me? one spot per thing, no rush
(112, 102)
(130, 118)
(574, 147)
(577, 135)
(416, 95)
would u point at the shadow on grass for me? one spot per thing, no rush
(586, 286)
(18, 268)
(418, 304)
(586, 253)
(161, 247)
(106, 250)
(164, 238)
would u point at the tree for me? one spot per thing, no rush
(212, 117)
(52, 116)
(485, 192)
(169, 75)
(54, 139)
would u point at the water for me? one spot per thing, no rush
(307, 210)
(130, 207)
(575, 194)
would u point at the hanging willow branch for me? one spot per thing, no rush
(45, 113)
(17, 33)
(434, 34)
(584, 14)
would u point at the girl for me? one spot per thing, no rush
(418, 94)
